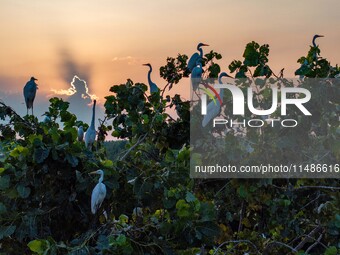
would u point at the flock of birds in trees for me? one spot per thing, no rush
(195, 68)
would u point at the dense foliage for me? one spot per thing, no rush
(152, 206)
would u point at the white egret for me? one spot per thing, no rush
(153, 86)
(90, 135)
(193, 59)
(213, 109)
(80, 133)
(30, 90)
(98, 193)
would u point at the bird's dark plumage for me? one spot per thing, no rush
(30, 91)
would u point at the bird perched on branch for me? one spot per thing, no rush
(30, 91)
(152, 85)
(90, 135)
(98, 193)
(192, 63)
(80, 133)
(317, 51)
(314, 38)
(196, 74)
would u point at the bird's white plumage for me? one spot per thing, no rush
(80, 134)
(97, 198)
(98, 193)
(90, 135)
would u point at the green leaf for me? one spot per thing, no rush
(251, 55)
(40, 154)
(72, 160)
(4, 182)
(214, 70)
(6, 231)
(107, 163)
(208, 229)
(23, 191)
(121, 240)
(39, 246)
(242, 191)
(3, 208)
(182, 208)
(190, 197)
(332, 250)
(234, 65)
(123, 219)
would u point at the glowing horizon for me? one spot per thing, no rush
(106, 44)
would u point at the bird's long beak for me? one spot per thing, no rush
(94, 172)
(145, 64)
(205, 44)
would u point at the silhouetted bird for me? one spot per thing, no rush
(30, 90)
(152, 85)
(90, 135)
(193, 59)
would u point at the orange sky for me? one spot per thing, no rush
(105, 42)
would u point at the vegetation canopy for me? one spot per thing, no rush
(152, 206)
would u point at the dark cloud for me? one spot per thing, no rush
(69, 67)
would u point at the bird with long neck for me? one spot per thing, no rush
(30, 91)
(152, 85)
(196, 75)
(90, 135)
(193, 59)
(314, 38)
(316, 51)
(98, 193)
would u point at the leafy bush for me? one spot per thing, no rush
(152, 206)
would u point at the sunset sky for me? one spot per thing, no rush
(105, 42)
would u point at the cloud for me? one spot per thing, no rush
(69, 67)
(78, 87)
(80, 98)
(129, 59)
(78, 94)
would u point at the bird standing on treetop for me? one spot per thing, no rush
(80, 133)
(214, 108)
(193, 59)
(90, 135)
(98, 193)
(316, 51)
(314, 38)
(30, 90)
(153, 86)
